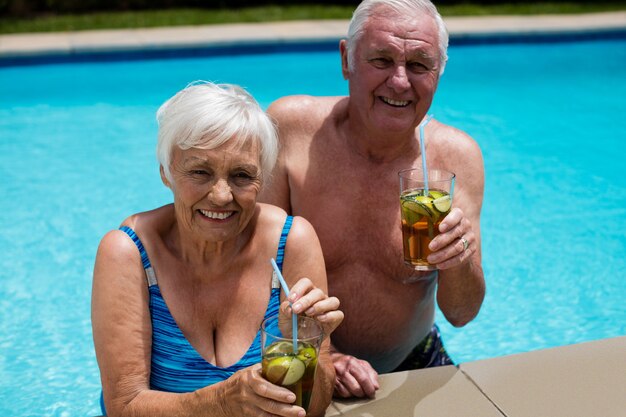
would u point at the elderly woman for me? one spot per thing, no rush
(179, 292)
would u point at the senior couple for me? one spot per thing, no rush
(179, 292)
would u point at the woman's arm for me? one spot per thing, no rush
(305, 272)
(122, 333)
(121, 322)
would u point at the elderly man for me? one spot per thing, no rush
(338, 168)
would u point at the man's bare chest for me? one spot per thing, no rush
(355, 213)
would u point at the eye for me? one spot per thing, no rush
(243, 178)
(380, 62)
(200, 175)
(243, 175)
(417, 67)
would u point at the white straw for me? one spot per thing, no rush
(294, 317)
(423, 150)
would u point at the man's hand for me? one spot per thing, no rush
(455, 244)
(354, 377)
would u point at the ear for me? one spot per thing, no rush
(343, 50)
(164, 178)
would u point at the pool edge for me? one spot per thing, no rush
(212, 40)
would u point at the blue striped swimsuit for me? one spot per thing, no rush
(176, 365)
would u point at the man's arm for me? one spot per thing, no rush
(461, 287)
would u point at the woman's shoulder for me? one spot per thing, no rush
(274, 217)
(270, 216)
(300, 228)
(117, 251)
(152, 220)
(146, 226)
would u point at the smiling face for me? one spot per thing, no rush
(215, 190)
(395, 71)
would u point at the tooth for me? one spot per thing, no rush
(395, 102)
(213, 215)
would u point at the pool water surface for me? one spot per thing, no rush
(77, 156)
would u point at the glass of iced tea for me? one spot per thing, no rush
(283, 365)
(424, 201)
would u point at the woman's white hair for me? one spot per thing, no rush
(367, 8)
(205, 116)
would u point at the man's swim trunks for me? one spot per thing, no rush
(428, 354)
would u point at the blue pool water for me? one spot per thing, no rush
(77, 156)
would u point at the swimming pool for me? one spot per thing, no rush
(77, 156)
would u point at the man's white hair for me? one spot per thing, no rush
(367, 8)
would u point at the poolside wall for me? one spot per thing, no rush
(211, 40)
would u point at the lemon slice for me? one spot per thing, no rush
(277, 369)
(418, 207)
(307, 354)
(295, 372)
(435, 194)
(443, 204)
(279, 348)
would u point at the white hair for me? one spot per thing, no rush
(367, 8)
(205, 116)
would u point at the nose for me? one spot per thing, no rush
(220, 193)
(398, 80)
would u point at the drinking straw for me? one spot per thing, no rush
(423, 150)
(294, 317)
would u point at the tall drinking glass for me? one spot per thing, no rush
(424, 201)
(283, 365)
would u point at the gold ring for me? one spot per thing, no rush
(465, 243)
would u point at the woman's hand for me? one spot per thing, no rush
(305, 298)
(247, 393)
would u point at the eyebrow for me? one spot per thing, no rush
(424, 54)
(419, 52)
(248, 167)
(191, 160)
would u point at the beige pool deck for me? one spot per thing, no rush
(581, 380)
(20, 45)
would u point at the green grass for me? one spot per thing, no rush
(529, 8)
(178, 17)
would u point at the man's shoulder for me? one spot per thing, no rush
(450, 136)
(456, 151)
(302, 101)
(445, 130)
(301, 108)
